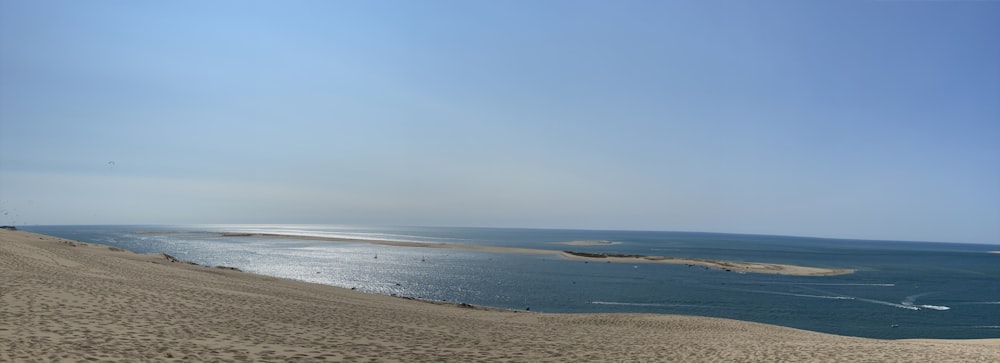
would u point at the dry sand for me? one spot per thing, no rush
(752, 267)
(68, 301)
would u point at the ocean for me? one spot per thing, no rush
(900, 289)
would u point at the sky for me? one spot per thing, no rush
(847, 119)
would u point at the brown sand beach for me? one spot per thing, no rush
(66, 301)
(752, 267)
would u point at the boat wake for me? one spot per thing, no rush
(639, 304)
(912, 299)
(830, 297)
(835, 284)
(887, 303)
(935, 307)
(908, 302)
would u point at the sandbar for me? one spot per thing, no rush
(587, 243)
(733, 266)
(64, 300)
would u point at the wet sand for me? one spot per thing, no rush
(66, 301)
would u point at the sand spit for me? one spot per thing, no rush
(587, 243)
(736, 266)
(732, 266)
(65, 301)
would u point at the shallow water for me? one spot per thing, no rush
(901, 289)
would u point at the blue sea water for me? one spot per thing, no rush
(900, 289)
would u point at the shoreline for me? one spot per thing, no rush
(70, 300)
(725, 265)
(587, 243)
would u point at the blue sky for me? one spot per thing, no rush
(854, 119)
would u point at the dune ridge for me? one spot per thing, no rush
(63, 300)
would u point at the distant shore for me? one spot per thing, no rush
(587, 243)
(733, 266)
(66, 300)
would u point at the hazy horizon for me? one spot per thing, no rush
(858, 120)
(376, 227)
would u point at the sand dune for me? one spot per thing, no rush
(68, 301)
